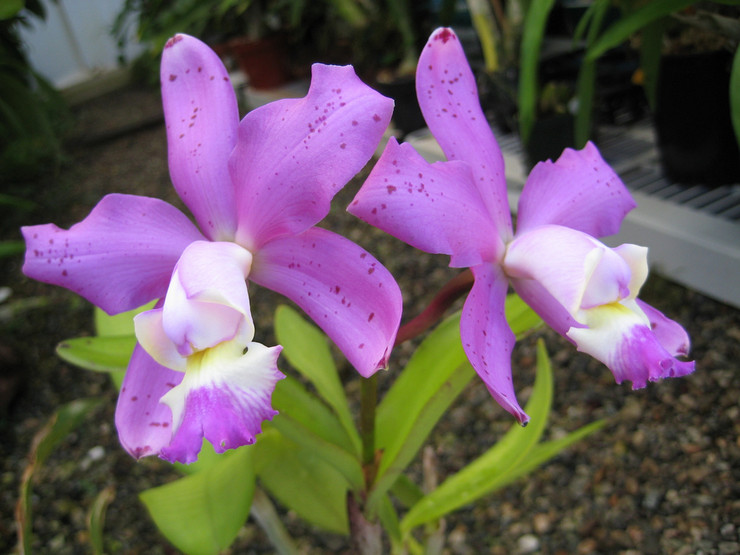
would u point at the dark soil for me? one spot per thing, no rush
(663, 475)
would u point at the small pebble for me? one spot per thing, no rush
(528, 543)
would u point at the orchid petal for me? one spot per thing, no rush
(579, 191)
(153, 339)
(348, 293)
(618, 335)
(433, 207)
(545, 305)
(225, 396)
(448, 97)
(671, 335)
(576, 269)
(207, 301)
(144, 424)
(293, 155)
(119, 257)
(202, 116)
(487, 339)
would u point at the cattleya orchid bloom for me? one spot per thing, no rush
(579, 286)
(256, 188)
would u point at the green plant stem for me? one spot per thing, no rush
(368, 403)
(266, 516)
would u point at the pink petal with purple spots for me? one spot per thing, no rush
(293, 155)
(448, 97)
(144, 424)
(119, 257)
(346, 291)
(201, 116)
(433, 207)
(487, 338)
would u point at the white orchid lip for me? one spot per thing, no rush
(206, 304)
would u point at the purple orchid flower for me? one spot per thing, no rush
(580, 287)
(256, 188)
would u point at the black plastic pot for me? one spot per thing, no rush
(692, 119)
(406, 113)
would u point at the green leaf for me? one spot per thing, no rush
(99, 353)
(534, 30)
(542, 452)
(333, 455)
(633, 22)
(302, 481)
(735, 94)
(9, 8)
(11, 248)
(96, 519)
(118, 324)
(307, 350)
(490, 470)
(293, 401)
(64, 420)
(433, 378)
(651, 42)
(203, 512)
(521, 318)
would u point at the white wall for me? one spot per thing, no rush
(74, 44)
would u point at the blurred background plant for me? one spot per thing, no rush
(32, 113)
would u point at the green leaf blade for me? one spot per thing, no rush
(202, 513)
(99, 354)
(485, 473)
(306, 348)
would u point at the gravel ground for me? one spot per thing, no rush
(661, 477)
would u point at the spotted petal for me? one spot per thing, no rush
(225, 396)
(119, 257)
(293, 155)
(144, 424)
(448, 97)
(487, 338)
(346, 291)
(201, 115)
(433, 207)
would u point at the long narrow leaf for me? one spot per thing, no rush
(633, 22)
(99, 353)
(429, 369)
(345, 463)
(64, 420)
(534, 27)
(543, 452)
(302, 481)
(293, 401)
(202, 513)
(482, 475)
(735, 94)
(96, 519)
(307, 350)
(434, 377)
